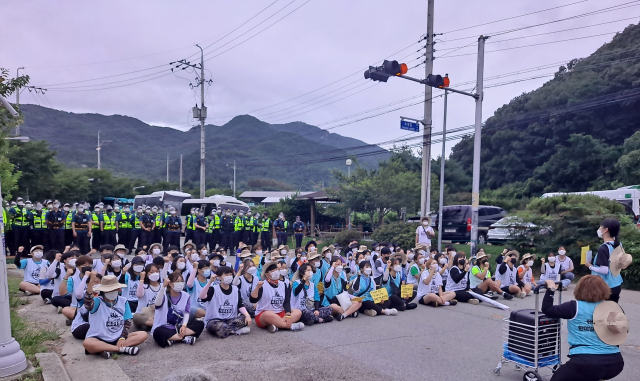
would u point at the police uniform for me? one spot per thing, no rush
(265, 229)
(247, 236)
(281, 226)
(55, 221)
(96, 230)
(158, 229)
(39, 232)
(226, 231)
(199, 234)
(173, 227)
(135, 230)
(213, 231)
(190, 226)
(68, 232)
(109, 228)
(20, 227)
(124, 228)
(298, 230)
(81, 223)
(146, 236)
(238, 224)
(255, 235)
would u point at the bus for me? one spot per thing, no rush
(628, 196)
(162, 199)
(122, 202)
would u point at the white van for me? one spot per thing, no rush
(628, 196)
(212, 202)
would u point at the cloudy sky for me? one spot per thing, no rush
(292, 60)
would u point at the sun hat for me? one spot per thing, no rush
(121, 247)
(619, 260)
(246, 253)
(402, 256)
(283, 247)
(244, 245)
(610, 323)
(313, 255)
(266, 268)
(483, 255)
(36, 247)
(109, 283)
(188, 243)
(527, 256)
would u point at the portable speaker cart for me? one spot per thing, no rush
(531, 340)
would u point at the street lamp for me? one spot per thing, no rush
(21, 139)
(349, 162)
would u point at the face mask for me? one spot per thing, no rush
(562, 252)
(66, 208)
(462, 262)
(127, 211)
(206, 274)
(397, 268)
(85, 269)
(284, 272)
(173, 212)
(147, 211)
(116, 264)
(529, 263)
(513, 260)
(283, 252)
(434, 265)
(156, 251)
(259, 252)
(195, 257)
(367, 270)
(227, 279)
(139, 210)
(552, 259)
(205, 252)
(252, 270)
(443, 261)
(37, 254)
(111, 295)
(360, 261)
(425, 223)
(228, 214)
(21, 204)
(599, 232)
(275, 275)
(339, 268)
(316, 264)
(178, 286)
(181, 265)
(138, 268)
(410, 257)
(154, 277)
(72, 262)
(80, 209)
(367, 257)
(216, 262)
(328, 256)
(421, 261)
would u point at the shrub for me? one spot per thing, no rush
(403, 234)
(344, 237)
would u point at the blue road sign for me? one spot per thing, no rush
(410, 126)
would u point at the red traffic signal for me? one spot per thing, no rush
(436, 80)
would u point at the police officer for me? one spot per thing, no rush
(96, 227)
(55, 222)
(164, 213)
(135, 229)
(266, 232)
(213, 229)
(247, 235)
(81, 228)
(281, 226)
(227, 230)
(298, 231)
(190, 225)
(68, 217)
(173, 227)
(109, 227)
(255, 235)
(238, 229)
(20, 224)
(29, 207)
(39, 225)
(157, 229)
(200, 235)
(147, 223)
(124, 226)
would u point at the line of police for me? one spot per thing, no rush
(53, 227)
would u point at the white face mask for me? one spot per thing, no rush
(562, 252)
(259, 252)
(283, 252)
(328, 256)
(121, 255)
(216, 262)
(227, 279)
(37, 254)
(367, 257)
(599, 232)
(392, 249)
(339, 268)
(284, 272)
(116, 264)
(443, 261)
(421, 261)
(367, 270)
(552, 259)
(156, 251)
(275, 275)
(316, 264)
(397, 268)
(66, 208)
(425, 223)
(195, 257)
(111, 295)
(181, 265)
(154, 277)
(205, 252)
(529, 263)
(434, 265)
(138, 268)
(410, 257)
(178, 286)
(252, 270)
(72, 262)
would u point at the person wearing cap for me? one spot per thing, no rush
(266, 232)
(39, 232)
(424, 232)
(124, 226)
(81, 229)
(257, 228)
(507, 274)
(226, 230)
(212, 234)
(238, 229)
(525, 274)
(298, 231)
(135, 228)
(158, 228)
(282, 227)
(200, 223)
(120, 251)
(147, 223)
(109, 226)
(197, 280)
(31, 278)
(480, 278)
(596, 329)
(19, 224)
(273, 302)
(55, 222)
(173, 227)
(109, 319)
(604, 264)
(190, 226)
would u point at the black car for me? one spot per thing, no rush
(456, 222)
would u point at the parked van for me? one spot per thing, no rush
(456, 222)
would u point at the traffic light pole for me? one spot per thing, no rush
(444, 143)
(425, 193)
(475, 188)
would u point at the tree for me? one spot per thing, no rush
(38, 168)
(629, 163)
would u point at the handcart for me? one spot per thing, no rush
(532, 340)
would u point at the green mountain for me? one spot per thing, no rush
(574, 133)
(290, 155)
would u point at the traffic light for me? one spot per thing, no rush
(388, 69)
(394, 68)
(375, 74)
(437, 81)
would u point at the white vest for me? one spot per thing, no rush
(527, 278)
(222, 306)
(81, 318)
(272, 298)
(43, 276)
(410, 278)
(247, 288)
(195, 296)
(77, 280)
(149, 297)
(299, 301)
(132, 288)
(551, 273)
(509, 276)
(55, 283)
(460, 286)
(32, 270)
(160, 316)
(106, 322)
(431, 288)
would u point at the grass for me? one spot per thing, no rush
(489, 249)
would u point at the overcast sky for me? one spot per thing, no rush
(321, 42)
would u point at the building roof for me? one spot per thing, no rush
(270, 196)
(318, 196)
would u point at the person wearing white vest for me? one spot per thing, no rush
(246, 280)
(550, 270)
(31, 266)
(171, 317)
(430, 287)
(525, 274)
(147, 293)
(225, 313)
(507, 275)
(109, 319)
(459, 279)
(566, 264)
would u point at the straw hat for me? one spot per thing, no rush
(402, 256)
(188, 243)
(154, 245)
(275, 255)
(266, 267)
(619, 260)
(419, 247)
(36, 247)
(243, 245)
(283, 247)
(610, 323)
(325, 249)
(109, 283)
(513, 252)
(527, 256)
(313, 255)
(246, 253)
(362, 249)
(121, 247)
(483, 255)
(428, 218)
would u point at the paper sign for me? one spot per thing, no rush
(379, 295)
(256, 260)
(320, 287)
(406, 291)
(583, 254)
(357, 299)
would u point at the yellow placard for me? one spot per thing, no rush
(583, 254)
(380, 295)
(406, 291)
(357, 299)
(320, 287)
(256, 260)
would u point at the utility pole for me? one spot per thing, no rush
(475, 188)
(425, 196)
(441, 201)
(203, 115)
(18, 100)
(167, 168)
(234, 178)
(99, 147)
(180, 172)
